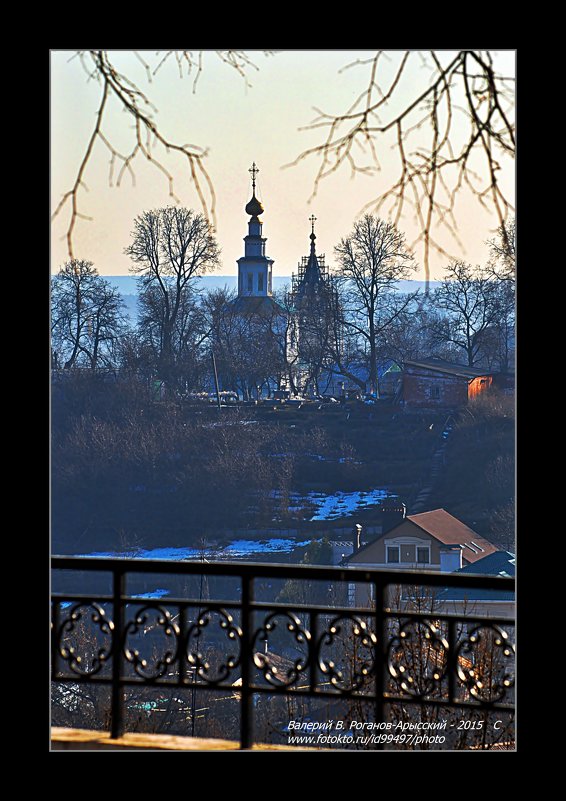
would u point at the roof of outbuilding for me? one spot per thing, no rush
(451, 368)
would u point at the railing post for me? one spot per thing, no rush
(182, 652)
(117, 702)
(54, 638)
(313, 622)
(380, 648)
(246, 722)
(452, 665)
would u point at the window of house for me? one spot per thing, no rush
(392, 554)
(260, 282)
(250, 282)
(423, 555)
(435, 392)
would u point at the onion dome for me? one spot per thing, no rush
(254, 207)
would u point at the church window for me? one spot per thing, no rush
(250, 282)
(260, 282)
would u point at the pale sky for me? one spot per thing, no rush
(237, 125)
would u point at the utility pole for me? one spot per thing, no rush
(215, 379)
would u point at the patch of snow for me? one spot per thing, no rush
(344, 504)
(275, 545)
(236, 548)
(175, 554)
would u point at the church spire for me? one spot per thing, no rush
(312, 220)
(312, 272)
(254, 208)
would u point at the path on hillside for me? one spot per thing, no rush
(438, 463)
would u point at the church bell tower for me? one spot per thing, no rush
(254, 267)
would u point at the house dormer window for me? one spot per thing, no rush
(423, 556)
(393, 554)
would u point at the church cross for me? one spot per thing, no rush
(253, 172)
(312, 220)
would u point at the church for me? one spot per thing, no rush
(255, 268)
(280, 343)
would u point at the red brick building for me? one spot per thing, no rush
(434, 383)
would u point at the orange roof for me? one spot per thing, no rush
(450, 531)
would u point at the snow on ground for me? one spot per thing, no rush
(335, 506)
(331, 507)
(344, 504)
(275, 545)
(175, 554)
(233, 549)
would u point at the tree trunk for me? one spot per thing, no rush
(470, 351)
(373, 383)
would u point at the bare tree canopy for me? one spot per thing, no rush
(503, 252)
(371, 260)
(87, 317)
(475, 306)
(169, 248)
(454, 133)
(250, 347)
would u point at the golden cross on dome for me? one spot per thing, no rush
(253, 172)
(312, 220)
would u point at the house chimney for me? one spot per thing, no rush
(450, 558)
(356, 538)
(393, 511)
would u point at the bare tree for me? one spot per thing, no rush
(87, 316)
(502, 267)
(250, 345)
(408, 336)
(473, 307)
(170, 247)
(188, 335)
(453, 133)
(372, 259)
(503, 252)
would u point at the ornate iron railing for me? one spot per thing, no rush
(401, 650)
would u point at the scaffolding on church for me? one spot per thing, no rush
(325, 288)
(298, 279)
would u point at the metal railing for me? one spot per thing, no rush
(391, 651)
